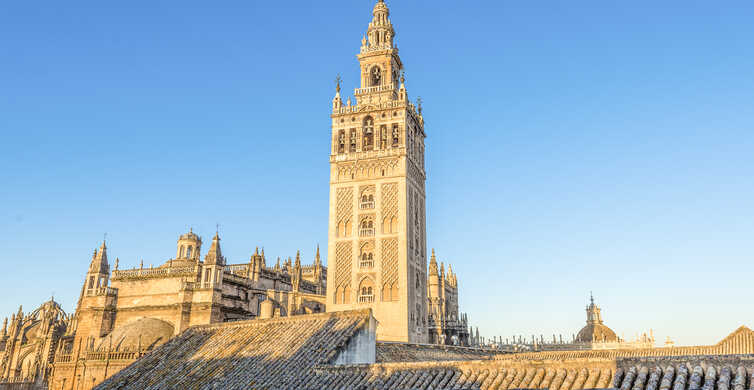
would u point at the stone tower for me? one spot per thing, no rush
(377, 225)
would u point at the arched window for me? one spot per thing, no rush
(188, 252)
(183, 249)
(367, 198)
(353, 140)
(376, 76)
(342, 141)
(368, 133)
(396, 136)
(366, 227)
(366, 291)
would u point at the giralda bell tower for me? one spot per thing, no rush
(377, 230)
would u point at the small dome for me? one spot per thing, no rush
(147, 332)
(190, 236)
(596, 332)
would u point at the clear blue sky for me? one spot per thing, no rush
(572, 146)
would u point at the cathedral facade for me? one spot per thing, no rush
(124, 313)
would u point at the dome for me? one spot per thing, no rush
(190, 236)
(596, 332)
(145, 332)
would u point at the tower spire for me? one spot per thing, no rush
(214, 255)
(380, 33)
(433, 264)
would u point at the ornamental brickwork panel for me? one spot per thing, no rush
(389, 195)
(344, 204)
(390, 280)
(343, 257)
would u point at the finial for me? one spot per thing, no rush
(117, 260)
(256, 251)
(403, 76)
(591, 297)
(337, 83)
(419, 104)
(104, 240)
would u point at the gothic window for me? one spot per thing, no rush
(188, 252)
(366, 291)
(366, 227)
(342, 141)
(91, 282)
(376, 76)
(383, 138)
(396, 134)
(367, 256)
(183, 249)
(367, 201)
(368, 134)
(353, 140)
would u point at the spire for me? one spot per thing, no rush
(99, 263)
(442, 270)
(5, 328)
(433, 264)
(317, 260)
(298, 259)
(214, 255)
(380, 33)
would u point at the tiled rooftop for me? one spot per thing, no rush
(297, 352)
(262, 354)
(402, 352)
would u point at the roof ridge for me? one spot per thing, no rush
(275, 320)
(743, 329)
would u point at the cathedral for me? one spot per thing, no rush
(377, 247)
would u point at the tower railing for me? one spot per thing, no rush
(366, 298)
(366, 232)
(378, 88)
(152, 272)
(369, 263)
(366, 205)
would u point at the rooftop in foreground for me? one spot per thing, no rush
(339, 351)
